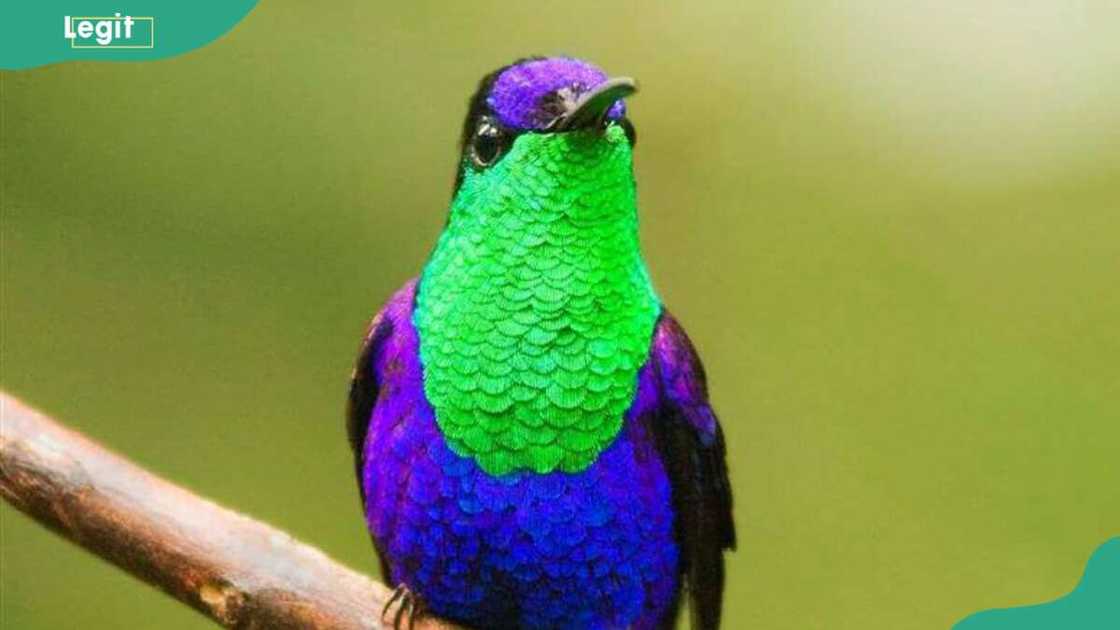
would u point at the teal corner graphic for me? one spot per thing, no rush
(41, 32)
(1094, 604)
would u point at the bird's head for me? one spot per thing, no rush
(547, 131)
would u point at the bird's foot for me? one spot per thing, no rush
(409, 608)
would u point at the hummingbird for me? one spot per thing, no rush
(532, 435)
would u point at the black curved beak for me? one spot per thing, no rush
(590, 108)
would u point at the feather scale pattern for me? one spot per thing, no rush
(535, 311)
(595, 550)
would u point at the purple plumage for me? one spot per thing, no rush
(612, 545)
(588, 550)
(596, 549)
(519, 90)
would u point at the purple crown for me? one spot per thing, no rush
(524, 95)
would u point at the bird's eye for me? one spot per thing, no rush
(488, 144)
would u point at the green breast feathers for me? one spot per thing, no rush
(535, 311)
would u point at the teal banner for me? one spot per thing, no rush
(39, 32)
(1093, 605)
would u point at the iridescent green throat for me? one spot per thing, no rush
(535, 311)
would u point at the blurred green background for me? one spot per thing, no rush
(892, 229)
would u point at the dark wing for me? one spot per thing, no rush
(690, 442)
(365, 385)
(364, 388)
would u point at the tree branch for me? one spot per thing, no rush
(240, 572)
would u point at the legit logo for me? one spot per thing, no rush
(110, 32)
